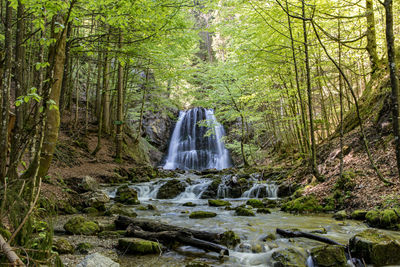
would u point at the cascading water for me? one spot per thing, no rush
(191, 149)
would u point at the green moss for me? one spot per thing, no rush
(270, 203)
(387, 219)
(218, 203)
(373, 217)
(289, 258)
(91, 211)
(189, 204)
(84, 247)
(255, 203)
(359, 215)
(340, 215)
(63, 246)
(127, 195)
(304, 204)
(5, 233)
(327, 256)
(202, 214)
(263, 210)
(240, 211)
(80, 226)
(230, 239)
(346, 182)
(138, 246)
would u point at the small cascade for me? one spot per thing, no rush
(223, 188)
(148, 190)
(194, 192)
(259, 190)
(191, 148)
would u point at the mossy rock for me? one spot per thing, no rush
(255, 203)
(373, 217)
(89, 183)
(63, 246)
(263, 210)
(304, 204)
(84, 247)
(289, 257)
(270, 203)
(64, 207)
(340, 215)
(212, 189)
(120, 209)
(359, 215)
(91, 211)
(218, 203)
(375, 247)
(96, 199)
(202, 214)
(230, 239)
(321, 230)
(171, 189)
(240, 211)
(127, 195)
(329, 256)
(141, 208)
(78, 225)
(110, 234)
(189, 204)
(138, 246)
(386, 219)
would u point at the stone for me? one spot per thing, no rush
(270, 203)
(386, 219)
(63, 246)
(202, 214)
(84, 247)
(189, 204)
(240, 211)
(373, 217)
(329, 256)
(289, 257)
(89, 184)
(96, 199)
(127, 195)
(263, 210)
(78, 225)
(304, 204)
(97, 260)
(255, 203)
(138, 246)
(340, 215)
(218, 203)
(358, 215)
(120, 209)
(111, 234)
(91, 211)
(230, 239)
(171, 189)
(375, 247)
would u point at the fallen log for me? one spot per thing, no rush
(288, 233)
(10, 254)
(122, 223)
(170, 237)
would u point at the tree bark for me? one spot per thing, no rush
(120, 106)
(10, 254)
(371, 35)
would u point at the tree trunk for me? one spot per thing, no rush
(120, 105)
(371, 35)
(106, 93)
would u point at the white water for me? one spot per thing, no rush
(271, 191)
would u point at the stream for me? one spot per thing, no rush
(252, 251)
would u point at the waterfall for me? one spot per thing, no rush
(191, 149)
(259, 190)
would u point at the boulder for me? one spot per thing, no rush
(212, 189)
(304, 204)
(138, 246)
(63, 246)
(270, 203)
(96, 199)
(78, 225)
(255, 203)
(89, 183)
(119, 209)
(127, 195)
(329, 256)
(386, 219)
(289, 257)
(340, 215)
(189, 204)
(84, 247)
(286, 189)
(202, 214)
(218, 203)
(358, 215)
(240, 211)
(263, 210)
(97, 260)
(171, 189)
(230, 239)
(375, 247)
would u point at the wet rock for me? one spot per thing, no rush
(171, 189)
(127, 195)
(218, 203)
(91, 211)
(138, 246)
(255, 203)
(375, 247)
(263, 210)
(359, 215)
(244, 212)
(329, 256)
(230, 239)
(89, 184)
(202, 214)
(189, 204)
(96, 200)
(304, 204)
(268, 237)
(119, 209)
(84, 247)
(270, 203)
(212, 190)
(286, 189)
(386, 219)
(340, 215)
(78, 225)
(97, 260)
(63, 246)
(289, 257)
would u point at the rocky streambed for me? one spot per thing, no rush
(217, 203)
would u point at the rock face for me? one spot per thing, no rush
(158, 127)
(97, 260)
(80, 226)
(138, 246)
(329, 256)
(171, 189)
(375, 247)
(127, 195)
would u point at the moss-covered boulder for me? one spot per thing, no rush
(240, 211)
(189, 204)
(78, 225)
(263, 210)
(96, 199)
(358, 215)
(171, 189)
(340, 215)
(84, 247)
(63, 246)
(255, 203)
(329, 256)
(304, 204)
(230, 239)
(387, 219)
(91, 211)
(373, 217)
(270, 203)
(218, 203)
(138, 246)
(289, 257)
(119, 209)
(89, 183)
(127, 195)
(202, 214)
(375, 247)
